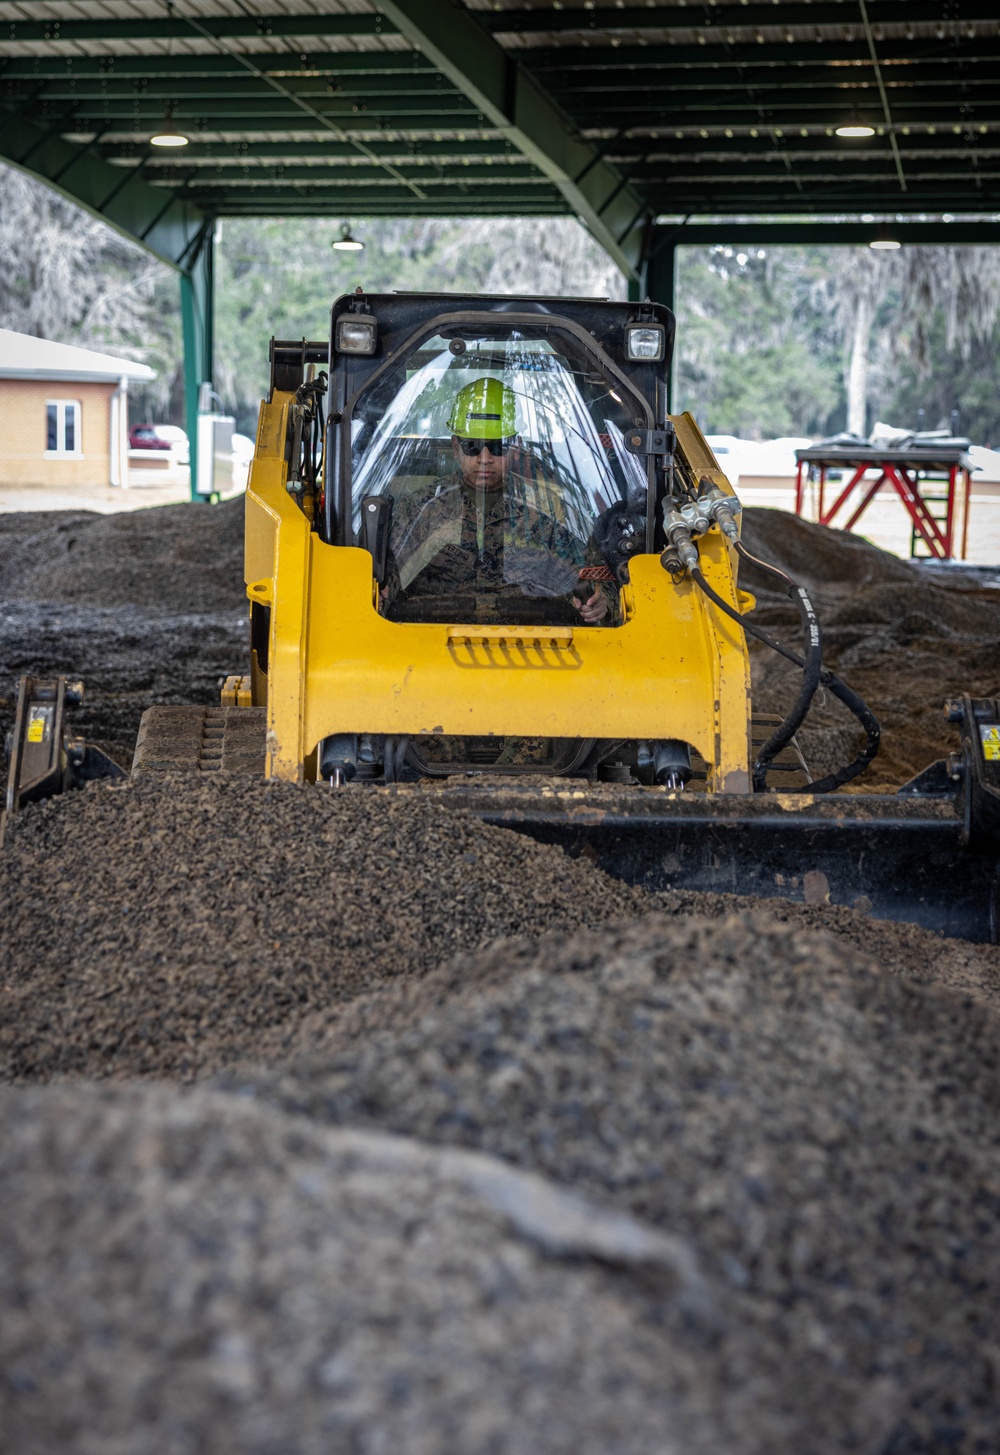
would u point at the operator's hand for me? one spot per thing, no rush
(594, 609)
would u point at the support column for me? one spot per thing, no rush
(198, 323)
(660, 281)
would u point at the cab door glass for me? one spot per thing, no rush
(502, 453)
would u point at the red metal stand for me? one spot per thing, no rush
(909, 477)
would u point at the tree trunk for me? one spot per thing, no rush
(857, 373)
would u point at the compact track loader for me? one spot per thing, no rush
(483, 561)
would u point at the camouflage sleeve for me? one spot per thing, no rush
(405, 511)
(596, 570)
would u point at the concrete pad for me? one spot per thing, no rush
(145, 488)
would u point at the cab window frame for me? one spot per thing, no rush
(485, 321)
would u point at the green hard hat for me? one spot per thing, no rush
(484, 410)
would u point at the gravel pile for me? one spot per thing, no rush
(780, 1232)
(902, 635)
(188, 1275)
(487, 1152)
(179, 921)
(145, 607)
(172, 557)
(821, 1134)
(127, 657)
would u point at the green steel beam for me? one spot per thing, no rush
(338, 198)
(829, 231)
(811, 174)
(514, 102)
(367, 126)
(733, 108)
(59, 66)
(808, 48)
(785, 90)
(447, 207)
(758, 199)
(429, 175)
(577, 86)
(137, 111)
(803, 156)
(422, 149)
(638, 157)
(164, 224)
(164, 26)
(242, 87)
(779, 15)
(627, 154)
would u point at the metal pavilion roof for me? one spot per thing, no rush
(618, 112)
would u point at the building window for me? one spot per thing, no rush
(62, 427)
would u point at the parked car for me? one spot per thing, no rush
(145, 437)
(161, 437)
(243, 452)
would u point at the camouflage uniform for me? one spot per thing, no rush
(504, 556)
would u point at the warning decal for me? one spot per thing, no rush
(38, 724)
(990, 734)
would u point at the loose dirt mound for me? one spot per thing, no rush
(831, 563)
(823, 1135)
(196, 1275)
(808, 1131)
(187, 923)
(127, 657)
(146, 607)
(175, 557)
(161, 927)
(902, 638)
(816, 1141)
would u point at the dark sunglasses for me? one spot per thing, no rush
(476, 447)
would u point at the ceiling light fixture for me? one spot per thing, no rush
(168, 135)
(884, 242)
(345, 243)
(855, 127)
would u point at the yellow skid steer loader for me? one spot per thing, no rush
(480, 556)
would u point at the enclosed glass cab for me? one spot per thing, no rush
(490, 450)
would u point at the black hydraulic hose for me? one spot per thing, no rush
(812, 668)
(873, 733)
(840, 690)
(764, 566)
(813, 637)
(829, 679)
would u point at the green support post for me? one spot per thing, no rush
(660, 281)
(197, 320)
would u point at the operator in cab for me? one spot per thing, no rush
(489, 542)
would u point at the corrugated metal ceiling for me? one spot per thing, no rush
(700, 109)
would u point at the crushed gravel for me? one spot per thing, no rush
(145, 607)
(277, 1024)
(180, 920)
(172, 557)
(823, 1135)
(901, 634)
(190, 1275)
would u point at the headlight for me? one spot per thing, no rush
(645, 342)
(356, 334)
